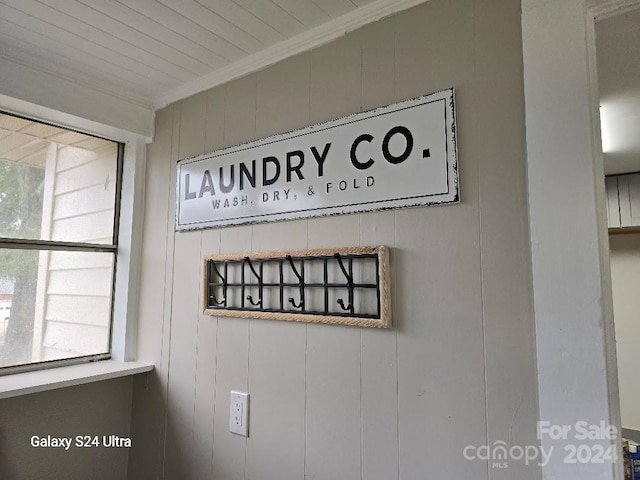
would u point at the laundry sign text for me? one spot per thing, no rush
(402, 155)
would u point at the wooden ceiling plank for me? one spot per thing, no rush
(40, 18)
(305, 11)
(128, 34)
(4, 133)
(34, 132)
(335, 8)
(35, 48)
(244, 19)
(150, 27)
(274, 15)
(13, 141)
(93, 144)
(41, 130)
(69, 138)
(97, 58)
(13, 124)
(26, 150)
(216, 24)
(37, 159)
(172, 20)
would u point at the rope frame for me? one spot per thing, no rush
(383, 276)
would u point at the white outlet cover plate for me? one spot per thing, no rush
(239, 413)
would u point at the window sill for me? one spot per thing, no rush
(51, 379)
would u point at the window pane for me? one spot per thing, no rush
(54, 305)
(55, 184)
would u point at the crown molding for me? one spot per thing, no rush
(303, 42)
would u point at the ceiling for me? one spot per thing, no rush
(618, 60)
(158, 51)
(27, 142)
(153, 52)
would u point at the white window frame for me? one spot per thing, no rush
(127, 278)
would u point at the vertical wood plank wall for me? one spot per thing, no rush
(333, 402)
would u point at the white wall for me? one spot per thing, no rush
(625, 276)
(332, 402)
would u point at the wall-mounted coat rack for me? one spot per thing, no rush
(348, 286)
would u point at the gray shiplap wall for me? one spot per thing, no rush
(331, 402)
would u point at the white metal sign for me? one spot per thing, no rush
(402, 155)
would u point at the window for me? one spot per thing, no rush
(59, 210)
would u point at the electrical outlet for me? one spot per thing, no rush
(239, 413)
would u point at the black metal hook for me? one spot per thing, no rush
(300, 282)
(248, 260)
(349, 284)
(256, 304)
(293, 302)
(215, 301)
(293, 267)
(224, 280)
(253, 302)
(344, 270)
(341, 303)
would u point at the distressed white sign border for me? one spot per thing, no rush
(429, 199)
